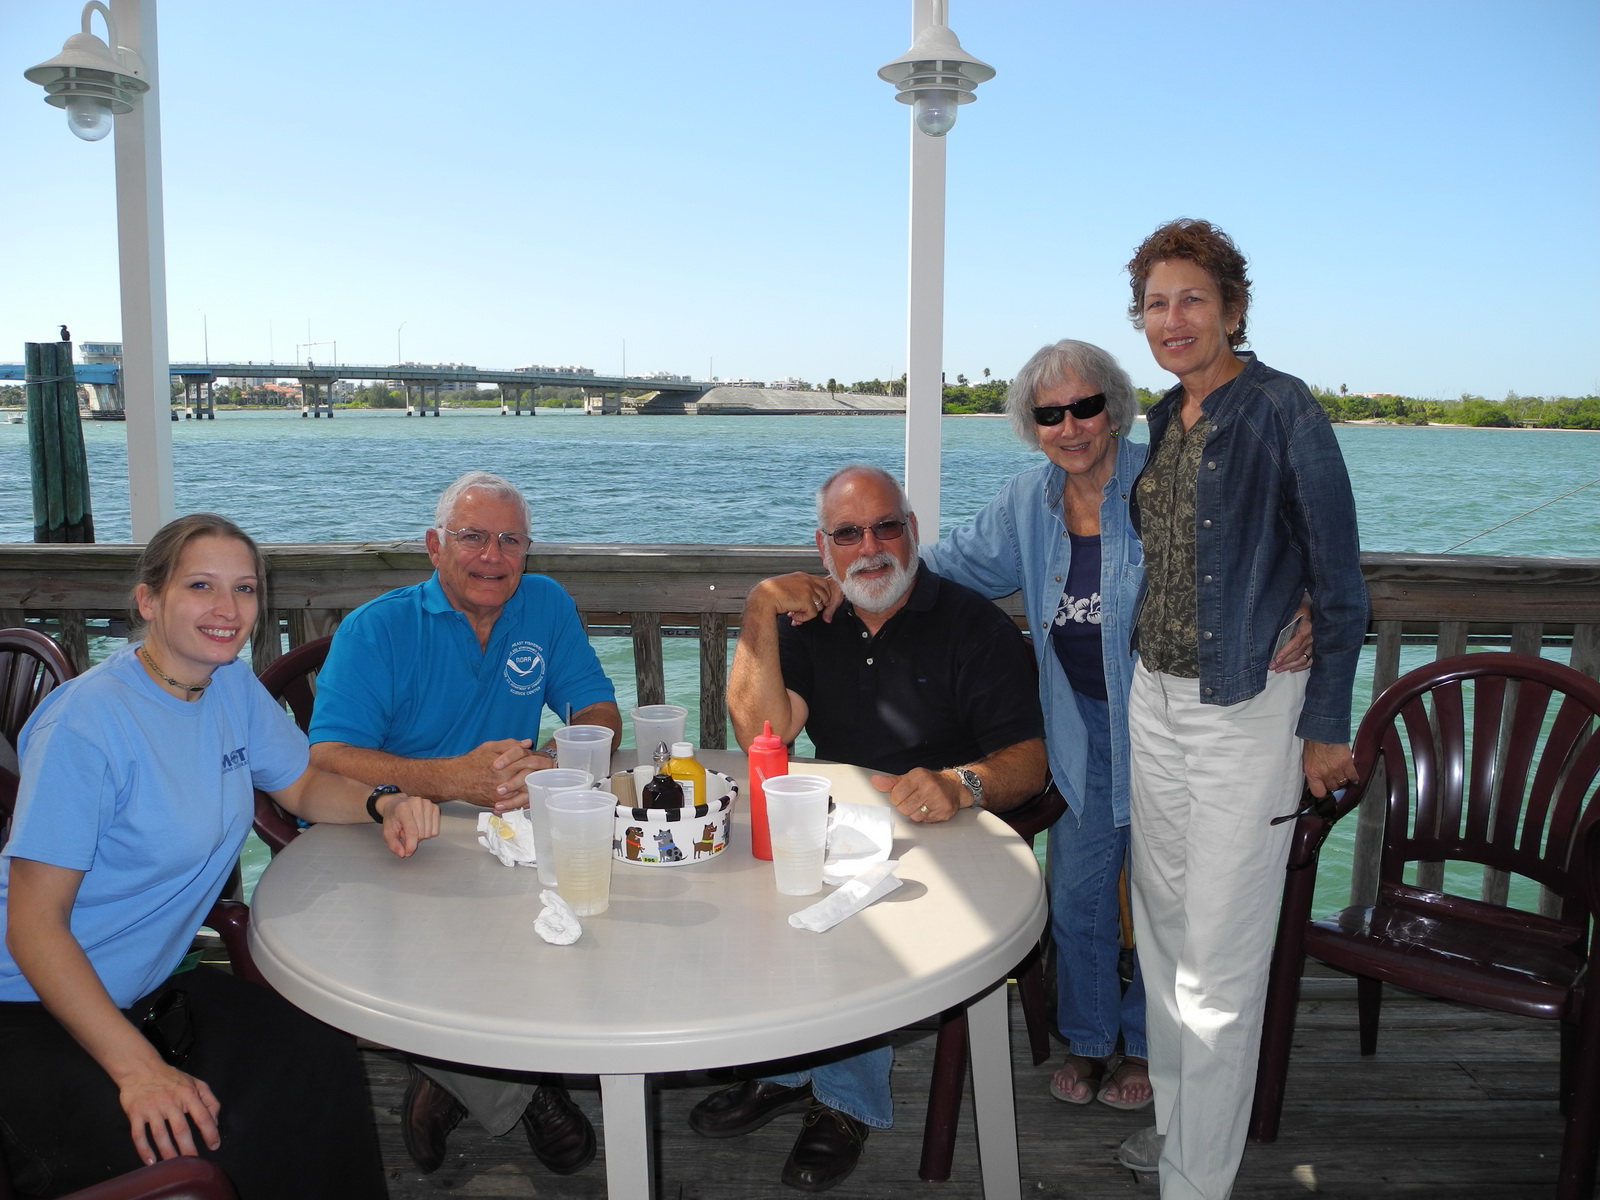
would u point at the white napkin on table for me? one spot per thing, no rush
(509, 838)
(556, 923)
(859, 835)
(872, 885)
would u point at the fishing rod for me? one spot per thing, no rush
(1519, 516)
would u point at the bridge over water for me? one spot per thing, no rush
(602, 393)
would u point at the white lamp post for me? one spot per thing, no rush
(935, 77)
(101, 85)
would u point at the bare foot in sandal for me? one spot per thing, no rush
(1128, 1086)
(1077, 1082)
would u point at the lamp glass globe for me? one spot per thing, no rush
(935, 111)
(89, 117)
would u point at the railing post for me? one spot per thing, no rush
(714, 680)
(648, 674)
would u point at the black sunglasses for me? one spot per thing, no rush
(1081, 410)
(849, 535)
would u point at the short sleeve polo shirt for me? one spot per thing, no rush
(946, 681)
(405, 673)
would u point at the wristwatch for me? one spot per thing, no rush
(383, 789)
(974, 784)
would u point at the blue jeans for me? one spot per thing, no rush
(1086, 857)
(857, 1086)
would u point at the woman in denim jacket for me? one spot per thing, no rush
(1061, 533)
(1244, 507)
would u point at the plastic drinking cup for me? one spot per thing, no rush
(657, 723)
(585, 748)
(797, 814)
(540, 785)
(582, 825)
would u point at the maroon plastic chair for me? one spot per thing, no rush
(32, 666)
(171, 1179)
(1029, 819)
(290, 680)
(1488, 759)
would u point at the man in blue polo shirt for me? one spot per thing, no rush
(439, 689)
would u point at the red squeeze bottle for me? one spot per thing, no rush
(768, 757)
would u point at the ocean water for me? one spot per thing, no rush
(374, 476)
(371, 476)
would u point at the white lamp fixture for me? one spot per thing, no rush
(90, 80)
(936, 76)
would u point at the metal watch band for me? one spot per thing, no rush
(974, 784)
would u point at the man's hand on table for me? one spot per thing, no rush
(923, 795)
(492, 774)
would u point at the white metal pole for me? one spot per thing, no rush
(141, 246)
(925, 315)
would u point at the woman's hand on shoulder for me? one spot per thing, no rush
(407, 822)
(160, 1103)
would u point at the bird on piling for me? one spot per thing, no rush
(66, 334)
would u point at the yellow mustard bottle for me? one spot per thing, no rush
(691, 776)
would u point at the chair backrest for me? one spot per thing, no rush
(1503, 754)
(32, 666)
(292, 680)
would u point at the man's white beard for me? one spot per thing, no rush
(875, 595)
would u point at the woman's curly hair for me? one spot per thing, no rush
(1203, 244)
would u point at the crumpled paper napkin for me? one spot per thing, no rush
(872, 885)
(509, 838)
(556, 923)
(859, 835)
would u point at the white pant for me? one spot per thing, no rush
(1207, 879)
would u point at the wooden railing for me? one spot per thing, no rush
(648, 592)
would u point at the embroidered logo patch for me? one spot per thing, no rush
(525, 668)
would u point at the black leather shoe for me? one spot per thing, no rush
(745, 1106)
(561, 1136)
(827, 1150)
(427, 1115)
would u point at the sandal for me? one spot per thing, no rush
(1127, 1070)
(1061, 1087)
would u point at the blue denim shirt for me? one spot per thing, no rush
(1020, 541)
(1274, 519)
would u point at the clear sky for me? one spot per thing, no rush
(725, 181)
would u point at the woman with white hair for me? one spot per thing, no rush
(1061, 532)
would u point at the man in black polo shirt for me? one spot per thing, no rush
(909, 675)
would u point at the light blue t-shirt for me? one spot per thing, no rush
(405, 674)
(151, 797)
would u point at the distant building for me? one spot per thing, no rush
(790, 384)
(103, 397)
(665, 376)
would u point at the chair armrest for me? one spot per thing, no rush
(231, 920)
(1035, 814)
(273, 826)
(171, 1179)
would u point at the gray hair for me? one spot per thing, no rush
(480, 481)
(861, 469)
(1051, 365)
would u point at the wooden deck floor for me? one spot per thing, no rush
(1457, 1103)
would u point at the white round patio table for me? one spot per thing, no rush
(692, 967)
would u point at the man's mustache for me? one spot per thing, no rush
(871, 562)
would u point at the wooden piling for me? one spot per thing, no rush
(58, 466)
